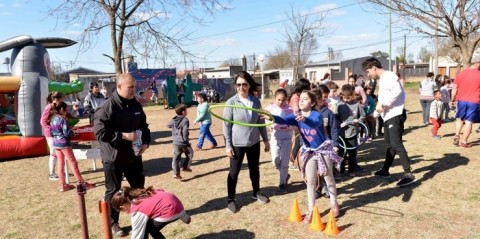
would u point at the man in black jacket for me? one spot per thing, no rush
(118, 123)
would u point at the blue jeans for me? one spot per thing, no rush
(205, 133)
(426, 110)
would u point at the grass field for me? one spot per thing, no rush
(444, 203)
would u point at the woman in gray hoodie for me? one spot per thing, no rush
(241, 140)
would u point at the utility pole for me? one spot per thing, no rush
(390, 42)
(404, 56)
(435, 69)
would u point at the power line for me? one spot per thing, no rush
(276, 22)
(339, 50)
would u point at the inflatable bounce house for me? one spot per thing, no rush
(28, 86)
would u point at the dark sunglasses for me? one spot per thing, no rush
(242, 84)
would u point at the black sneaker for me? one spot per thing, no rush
(232, 207)
(261, 198)
(406, 181)
(382, 173)
(117, 231)
(357, 168)
(282, 189)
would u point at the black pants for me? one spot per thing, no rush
(393, 129)
(253, 158)
(154, 227)
(350, 155)
(113, 180)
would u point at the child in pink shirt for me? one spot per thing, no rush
(150, 210)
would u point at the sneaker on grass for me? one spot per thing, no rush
(382, 173)
(53, 177)
(232, 206)
(117, 231)
(408, 179)
(261, 198)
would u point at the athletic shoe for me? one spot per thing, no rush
(187, 169)
(53, 177)
(261, 198)
(456, 140)
(232, 207)
(282, 189)
(406, 181)
(117, 231)
(213, 146)
(382, 173)
(465, 145)
(186, 218)
(308, 218)
(66, 187)
(358, 168)
(437, 137)
(196, 148)
(177, 176)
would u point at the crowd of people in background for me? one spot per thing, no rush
(318, 129)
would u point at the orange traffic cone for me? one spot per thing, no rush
(295, 215)
(331, 229)
(316, 224)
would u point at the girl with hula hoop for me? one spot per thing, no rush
(317, 153)
(281, 138)
(300, 86)
(349, 110)
(330, 126)
(241, 140)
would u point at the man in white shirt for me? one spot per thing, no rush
(391, 100)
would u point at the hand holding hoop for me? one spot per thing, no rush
(245, 108)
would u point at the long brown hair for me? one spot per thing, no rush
(57, 108)
(130, 195)
(54, 95)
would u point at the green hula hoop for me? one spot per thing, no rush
(245, 108)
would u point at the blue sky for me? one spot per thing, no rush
(352, 25)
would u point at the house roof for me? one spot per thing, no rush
(80, 70)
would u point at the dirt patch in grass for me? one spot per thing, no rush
(444, 203)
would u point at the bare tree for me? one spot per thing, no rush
(455, 19)
(301, 34)
(445, 49)
(144, 24)
(424, 54)
(379, 54)
(279, 58)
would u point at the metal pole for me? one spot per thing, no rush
(390, 43)
(104, 209)
(404, 56)
(81, 190)
(263, 83)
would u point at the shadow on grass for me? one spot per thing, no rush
(227, 234)
(449, 161)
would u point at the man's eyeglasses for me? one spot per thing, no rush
(242, 84)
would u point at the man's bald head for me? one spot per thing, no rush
(126, 85)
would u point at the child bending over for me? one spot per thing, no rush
(150, 210)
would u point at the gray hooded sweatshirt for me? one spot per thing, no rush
(179, 125)
(242, 136)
